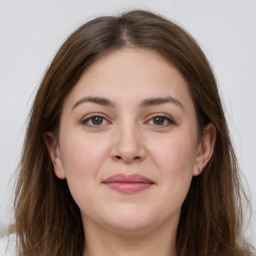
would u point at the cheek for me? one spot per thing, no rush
(175, 159)
(76, 157)
(81, 155)
(82, 158)
(175, 154)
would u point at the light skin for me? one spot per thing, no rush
(130, 113)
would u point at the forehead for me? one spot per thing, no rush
(133, 73)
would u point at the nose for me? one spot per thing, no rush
(128, 145)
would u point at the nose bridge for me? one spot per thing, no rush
(128, 142)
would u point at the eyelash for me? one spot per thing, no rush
(167, 119)
(90, 118)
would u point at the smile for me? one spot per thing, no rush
(128, 183)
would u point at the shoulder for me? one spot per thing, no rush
(7, 245)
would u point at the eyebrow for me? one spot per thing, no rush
(145, 103)
(98, 100)
(159, 100)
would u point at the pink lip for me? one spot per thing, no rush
(128, 183)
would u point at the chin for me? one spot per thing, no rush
(130, 220)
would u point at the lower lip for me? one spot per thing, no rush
(129, 188)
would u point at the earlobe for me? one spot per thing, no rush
(205, 148)
(55, 154)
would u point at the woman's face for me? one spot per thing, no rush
(128, 143)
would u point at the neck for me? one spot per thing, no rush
(157, 242)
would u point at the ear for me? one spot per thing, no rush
(205, 148)
(55, 154)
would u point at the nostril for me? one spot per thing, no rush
(136, 158)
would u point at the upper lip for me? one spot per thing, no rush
(128, 178)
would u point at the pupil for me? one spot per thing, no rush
(159, 120)
(97, 120)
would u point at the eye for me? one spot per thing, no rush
(95, 120)
(161, 121)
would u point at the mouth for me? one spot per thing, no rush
(128, 183)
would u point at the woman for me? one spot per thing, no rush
(127, 150)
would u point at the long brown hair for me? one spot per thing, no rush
(48, 221)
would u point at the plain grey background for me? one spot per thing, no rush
(31, 31)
